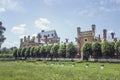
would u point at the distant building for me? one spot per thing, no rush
(84, 36)
(42, 38)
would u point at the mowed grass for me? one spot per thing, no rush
(37, 70)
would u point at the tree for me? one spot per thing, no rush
(108, 49)
(87, 49)
(15, 53)
(36, 51)
(31, 51)
(96, 49)
(5, 50)
(19, 52)
(48, 48)
(2, 38)
(43, 52)
(27, 52)
(23, 52)
(71, 50)
(117, 48)
(62, 50)
(54, 51)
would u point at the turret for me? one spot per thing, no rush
(93, 28)
(78, 30)
(104, 34)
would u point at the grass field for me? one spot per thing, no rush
(26, 70)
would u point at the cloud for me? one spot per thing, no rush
(19, 29)
(42, 23)
(2, 10)
(11, 5)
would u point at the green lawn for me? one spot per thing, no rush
(24, 70)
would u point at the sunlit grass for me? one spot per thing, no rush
(25, 70)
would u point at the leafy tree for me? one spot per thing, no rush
(32, 51)
(23, 51)
(54, 51)
(108, 49)
(5, 50)
(112, 49)
(36, 51)
(96, 49)
(43, 52)
(87, 49)
(19, 52)
(27, 52)
(2, 38)
(62, 50)
(48, 48)
(71, 50)
(117, 48)
(15, 53)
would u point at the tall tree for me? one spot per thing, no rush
(15, 53)
(2, 38)
(71, 50)
(117, 48)
(96, 49)
(43, 52)
(108, 49)
(54, 51)
(48, 48)
(62, 50)
(87, 49)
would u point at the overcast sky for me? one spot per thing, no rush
(29, 17)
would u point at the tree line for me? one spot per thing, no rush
(101, 49)
(47, 51)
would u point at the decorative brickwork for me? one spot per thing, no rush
(84, 36)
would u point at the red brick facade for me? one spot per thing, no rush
(84, 36)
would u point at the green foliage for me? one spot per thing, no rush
(2, 38)
(19, 52)
(23, 52)
(32, 51)
(62, 50)
(54, 51)
(108, 49)
(48, 48)
(27, 52)
(36, 51)
(96, 49)
(15, 53)
(87, 49)
(43, 51)
(71, 50)
(117, 47)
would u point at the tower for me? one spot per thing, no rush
(104, 34)
(93, 28)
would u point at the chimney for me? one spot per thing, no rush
(43, 31)
(21, 40)
(99, 38)
(29, 38)
(0, 23)
(78, 30)
(104, 34)
(24, 38)
(112, 35)
(38, 36)
(93, 28)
